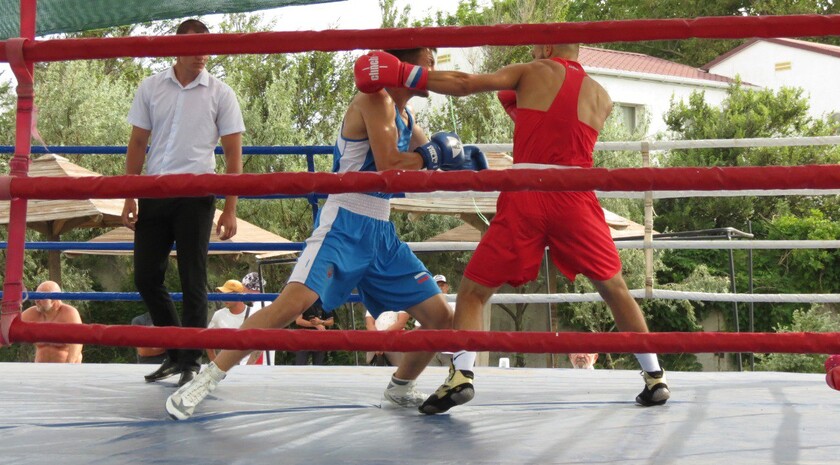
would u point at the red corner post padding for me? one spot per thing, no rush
(832, 372)
(6, 319)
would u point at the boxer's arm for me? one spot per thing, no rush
(459, 84)
(418, 138)
(379, 115)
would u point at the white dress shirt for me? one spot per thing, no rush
(186, 121)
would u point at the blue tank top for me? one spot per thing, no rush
(356, 155)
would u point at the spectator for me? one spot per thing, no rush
(256, 285)
(183, 111)
(313, 318)
(53, 311)
(441, 359)
(583, 361)
(232, 316)
(153, 355)
(387, 321)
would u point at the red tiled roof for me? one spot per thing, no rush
(815, 47)
(639, 63)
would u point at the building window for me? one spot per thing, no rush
(629, 115)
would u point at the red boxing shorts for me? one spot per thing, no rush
(571, 224)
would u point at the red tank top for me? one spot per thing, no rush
(556, 136)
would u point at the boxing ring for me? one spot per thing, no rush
(105, 414)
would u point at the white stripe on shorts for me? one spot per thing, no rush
(313, 244)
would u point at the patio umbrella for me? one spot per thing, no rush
(52, 218)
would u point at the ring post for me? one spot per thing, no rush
(19, 167)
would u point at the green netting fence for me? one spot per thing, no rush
(56, 16)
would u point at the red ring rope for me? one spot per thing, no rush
(425, 340)
(624, 179)
(724, 27)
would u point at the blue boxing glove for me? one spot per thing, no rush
(443, 151)
(474, 159)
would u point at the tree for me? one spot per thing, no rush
(286, 100)
(748, 113)
(745, 113)
(815, 319)
(692, 52)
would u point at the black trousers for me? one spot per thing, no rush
(302, 358)
(160, 223)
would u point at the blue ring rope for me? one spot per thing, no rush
(135, 296)
(121, 149)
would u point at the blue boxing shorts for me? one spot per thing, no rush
(355, 246)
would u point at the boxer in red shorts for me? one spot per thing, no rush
(558, 112)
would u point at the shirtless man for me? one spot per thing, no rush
(53, 311)
(558, 112)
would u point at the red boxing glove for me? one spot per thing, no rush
(380, 69)
(832, 372)
(508, 99)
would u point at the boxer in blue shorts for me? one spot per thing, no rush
(355, 245)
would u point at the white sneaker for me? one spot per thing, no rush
(403, 395)
(183, 402)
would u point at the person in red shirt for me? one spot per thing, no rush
(558, 111)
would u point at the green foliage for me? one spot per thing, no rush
(477, 118)
(692, 52)
(816, 319)
(299, 100)
(286, 100)
(804, 270)
(81, 103)
(745, 113)
(748, 113)
(7, 118)
(469, 13)
(391, 16)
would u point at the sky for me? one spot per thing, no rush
(349, 14)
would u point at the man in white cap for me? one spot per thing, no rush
(441, 359)
(444, 286)
(254, 284)
(232, 316)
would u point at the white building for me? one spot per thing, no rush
(639, 84)
(774, 63)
